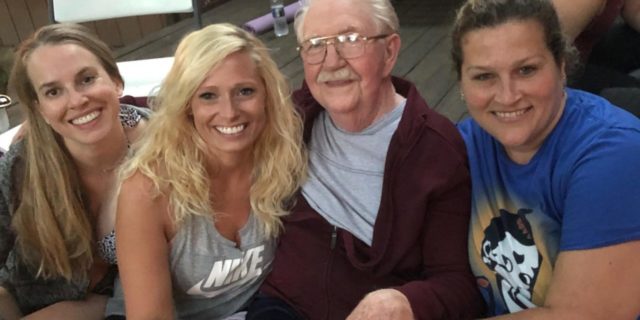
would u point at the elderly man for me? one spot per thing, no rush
(380, 228)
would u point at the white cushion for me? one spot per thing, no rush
(89, 10)
(143, 76)
(6, 138)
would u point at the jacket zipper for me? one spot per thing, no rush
(334, 237)
(327, 282)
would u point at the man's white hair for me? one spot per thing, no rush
(382, 12)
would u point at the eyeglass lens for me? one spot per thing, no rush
(348, 46)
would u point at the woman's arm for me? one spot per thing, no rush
(596, 273)
(599, 283)
(90, 308)
(631, 14)
(142, 247)
(8, 307)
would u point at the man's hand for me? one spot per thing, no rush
(384, 304)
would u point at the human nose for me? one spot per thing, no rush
(507, 92)
(227, 108)
(332, 55)
(76, 98)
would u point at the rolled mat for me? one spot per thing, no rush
(265, 23)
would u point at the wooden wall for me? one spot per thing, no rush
(19, 18)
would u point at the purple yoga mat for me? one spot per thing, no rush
(265, 23)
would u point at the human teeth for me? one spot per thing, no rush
(511, 114)
(231, 130)
(86, 118)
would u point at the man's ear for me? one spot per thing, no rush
(392, 50)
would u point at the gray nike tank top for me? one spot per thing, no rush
(211, 277)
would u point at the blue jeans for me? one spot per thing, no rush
(266, 307)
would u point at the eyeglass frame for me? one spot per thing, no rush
(365, 39)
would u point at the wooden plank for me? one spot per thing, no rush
(433, 75)
(410, 34)
(151, 23)
(22, 18)
(294, 72)
(416, 50)
(430, 13)
(170, 34)
(39, 14)
(8, 33)
(129, 29)
(162, 47)
(92, 27)
(452, 106)
(239, 11)
(236, 12)
(108, 31)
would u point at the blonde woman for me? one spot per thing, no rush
(57, 205)
(200, 205)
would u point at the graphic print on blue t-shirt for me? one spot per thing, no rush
(578, 192)
(509, 249)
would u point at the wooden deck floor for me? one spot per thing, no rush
(424, 57)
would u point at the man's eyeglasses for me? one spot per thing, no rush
(349, 46)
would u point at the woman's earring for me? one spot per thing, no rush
(461, 95)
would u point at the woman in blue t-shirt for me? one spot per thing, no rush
(555, 224)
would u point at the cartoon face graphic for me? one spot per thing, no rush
(509, 249)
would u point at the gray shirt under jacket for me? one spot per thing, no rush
(356, 159)
(212, 278)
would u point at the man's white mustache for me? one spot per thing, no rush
(338, 75)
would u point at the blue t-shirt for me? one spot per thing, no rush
(581, 190)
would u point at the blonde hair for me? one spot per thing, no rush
(172, 154)
(53, 230)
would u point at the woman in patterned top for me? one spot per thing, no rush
(56, 190)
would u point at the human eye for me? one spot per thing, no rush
(351, 38)
(88, 79)
(314, 45)
(246, 91)
(527, 70)
(52, 92)
(207, 95)
(482, 76)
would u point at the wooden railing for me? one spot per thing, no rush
(19, 18)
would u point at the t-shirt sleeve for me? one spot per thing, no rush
(602, 205)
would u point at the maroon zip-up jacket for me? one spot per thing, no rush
(420, 235)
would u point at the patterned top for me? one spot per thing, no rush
(129, 117)
(30, 291)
